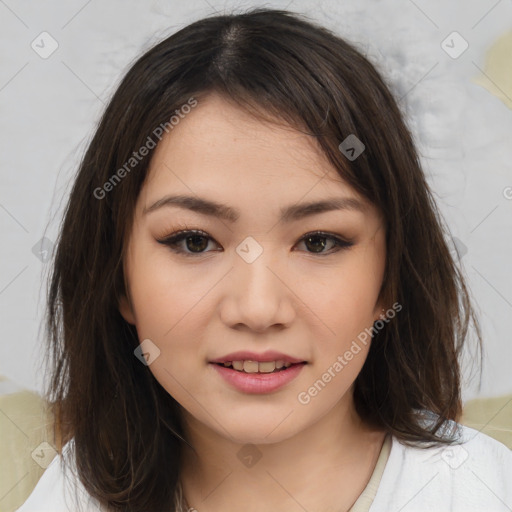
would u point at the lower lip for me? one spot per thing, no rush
(258, 382)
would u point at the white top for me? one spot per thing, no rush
(473, 476)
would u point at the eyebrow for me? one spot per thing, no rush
(288, 214)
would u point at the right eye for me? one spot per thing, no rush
(196, 241)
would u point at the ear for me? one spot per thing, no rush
(126, 309)
(379, 311)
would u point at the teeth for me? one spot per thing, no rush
(249, 366)
(266, 367)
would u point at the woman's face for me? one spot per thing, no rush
(251, 280)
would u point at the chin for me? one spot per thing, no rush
(255, 429)
(259, 437)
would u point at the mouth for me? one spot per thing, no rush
(256, 377)
(255, 367)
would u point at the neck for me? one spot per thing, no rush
(323, 467)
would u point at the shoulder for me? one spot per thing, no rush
(473, 474)
(59, 489)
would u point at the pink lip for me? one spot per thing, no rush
(245, 355)
(258, 382)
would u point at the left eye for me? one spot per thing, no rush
(197, 241)
(318, 242)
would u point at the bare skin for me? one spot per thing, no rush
(316, 456)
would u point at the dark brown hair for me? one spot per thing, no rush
(279, 66)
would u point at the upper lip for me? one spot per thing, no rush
(245, 355)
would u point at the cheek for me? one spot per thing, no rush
(344, 301)
(164, 296)
(173, 320)
(170, 311)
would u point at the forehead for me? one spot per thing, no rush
(220, 149)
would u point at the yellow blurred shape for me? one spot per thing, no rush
(497, 76)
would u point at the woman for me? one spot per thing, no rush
(252, 302)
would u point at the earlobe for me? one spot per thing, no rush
(379, 312)
(126, 309)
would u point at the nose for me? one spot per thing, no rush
(257, 296)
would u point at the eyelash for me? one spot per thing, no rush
(175, 238)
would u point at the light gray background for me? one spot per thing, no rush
(49, 108)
